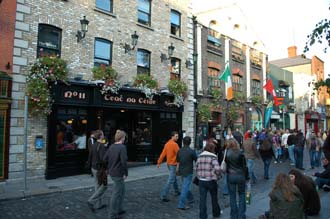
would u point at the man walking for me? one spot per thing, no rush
(116, 156)
(185, 158)
(291, 144)
(170, 151)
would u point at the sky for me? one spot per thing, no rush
(281, 23)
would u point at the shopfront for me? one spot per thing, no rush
(80, 108)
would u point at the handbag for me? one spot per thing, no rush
(196, 181)
(223, 166)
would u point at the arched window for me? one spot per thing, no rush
(102, 52)
(49, 40)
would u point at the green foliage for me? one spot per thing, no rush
(179, 89)
(109, 76)
(257, 100)
(217, 96)
(147, 84)
(239, 97)
(42, 72)
(232, 114)
(204, 113)
(320, 34)
(321, 83)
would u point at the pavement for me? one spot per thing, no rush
(66, 197)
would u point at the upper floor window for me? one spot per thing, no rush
(175, 69)
(256, 58)
(237, 51)
(49, 41)
(256, 88)
(237, 83)
(105, 5)
(144, 12)
(214, 37)
(175, 23)
(102, 52)
(212, 78)
(143, 62)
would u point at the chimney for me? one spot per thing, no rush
(292, 51)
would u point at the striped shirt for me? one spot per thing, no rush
(207, 166)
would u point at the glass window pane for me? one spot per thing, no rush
(104, 5)
(143, 59)
(175, 18)
(102, 49)
(144, 5)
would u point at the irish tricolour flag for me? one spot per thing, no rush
(226, 77)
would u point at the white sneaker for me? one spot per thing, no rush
(275, 161)
(292, 164)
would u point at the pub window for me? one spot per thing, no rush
(49, 41)
(105, 5)
(175, 23)
(212, 78)
(237, 83)
(71, 129)
(144, 12)
(143, 62)
(175, 69)
(102, 52)
(256, 88)
(142, 129)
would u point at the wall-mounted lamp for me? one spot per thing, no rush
(189, 63)
(170, 51)
(84, 28)
(135, 38)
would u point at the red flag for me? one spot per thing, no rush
(270, 89)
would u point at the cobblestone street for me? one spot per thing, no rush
(141, 201)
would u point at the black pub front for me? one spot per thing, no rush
(80, 108)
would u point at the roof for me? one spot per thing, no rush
(294, 61)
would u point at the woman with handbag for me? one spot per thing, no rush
(236, 178)
(208, 172)
(98, 168)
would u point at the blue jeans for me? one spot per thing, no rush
(299, 156)
(236, 183)
(212, 187)
(185, 191)
(318, 158)
(291, 153)
(117, 197)
(171, 180)
(322, 181)
(250, 166)
(225, 185)
(313, 157)
(267, 162)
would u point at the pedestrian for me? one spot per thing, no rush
(284, 144)
(238, 136)
(251, 154)
(237, 175)
(199, 141)
(276, 138)
(286, 201)
(185, 158)
(266, 153)
(95, 158)
(323, 178)
(291, 144)
(326, 146)
(208, 172)
(307, 187)
(116, 156)
(170, 151)
(313, 145)
(319, 149)
(299, 150)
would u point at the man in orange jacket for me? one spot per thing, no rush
(170, 151)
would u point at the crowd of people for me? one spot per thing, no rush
(294, 195)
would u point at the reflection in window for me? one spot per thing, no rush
(256, 88)
(71, 129)
(143, 62)
(175, 68)
(142, 129)
(106, 5)
(175, 23)
(49, 41)
(144, 12)
(102, 52)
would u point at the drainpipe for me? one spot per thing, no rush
(195, 56)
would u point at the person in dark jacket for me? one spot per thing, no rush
(266, 153)
(238, 136)
(299, 150)
(116, 156)
(326, 146)
(185, 158)
(95, 158)
(237, 174)
(307, 187)
(323, 178)
(291, 143)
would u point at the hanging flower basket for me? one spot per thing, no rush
(147, 84)
(178, 89)
(42, 72)
(204, 113)
(108, 76)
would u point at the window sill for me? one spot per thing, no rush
(145, 26)
(105, 12)
(176, 37)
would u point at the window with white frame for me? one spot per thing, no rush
(102, 52)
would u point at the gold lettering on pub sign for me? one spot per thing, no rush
(74, 95)
(121, 99)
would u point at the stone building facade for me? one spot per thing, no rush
(115, 26)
